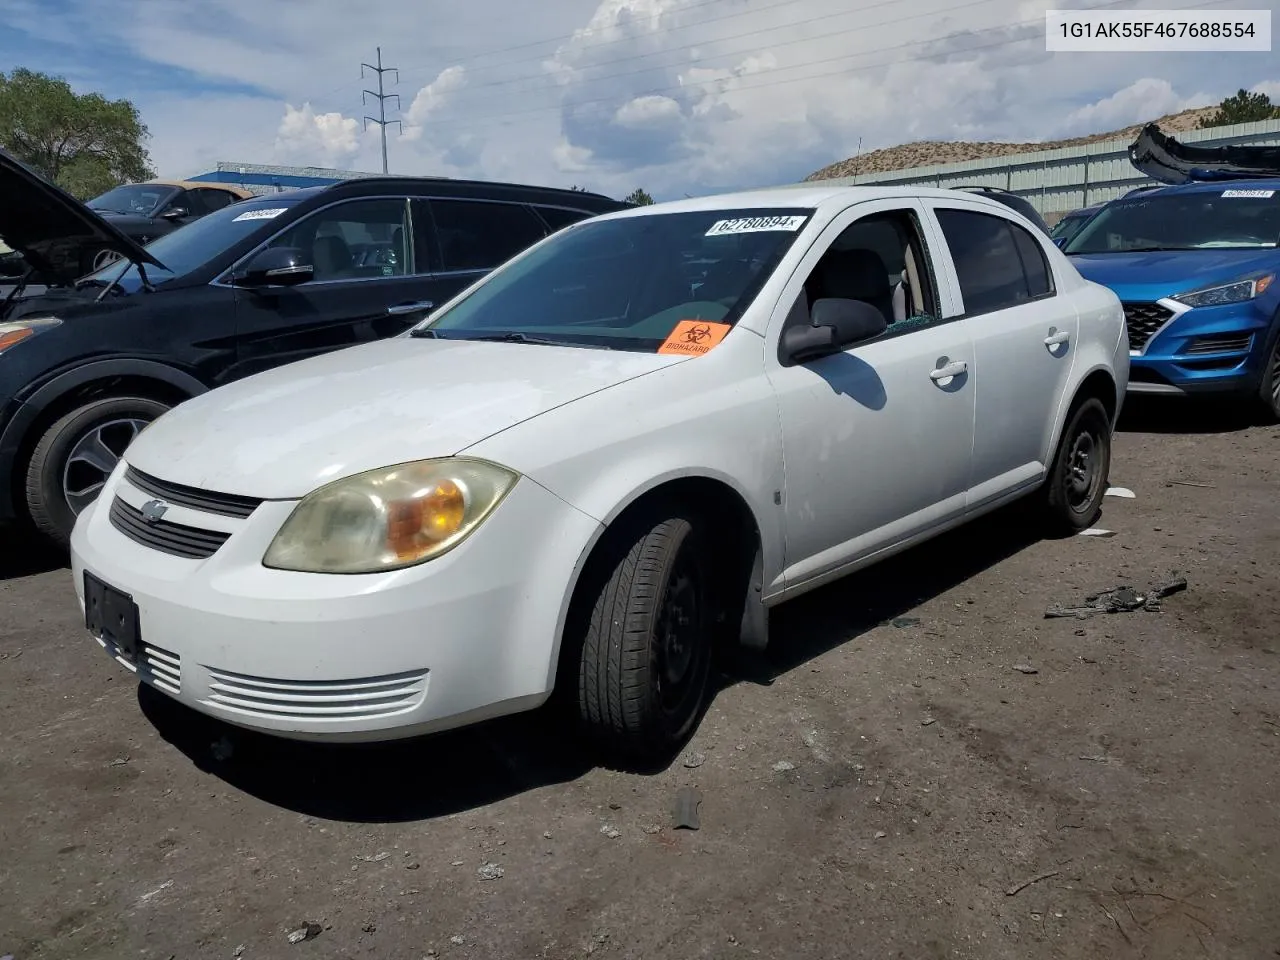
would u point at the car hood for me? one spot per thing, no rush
(50, 228)
(1163, 273)
(285, 432)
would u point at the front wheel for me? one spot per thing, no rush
(73, 459)
(646, 638)
(1269, 389)
(1077, 479)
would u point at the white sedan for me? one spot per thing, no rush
(612, 454)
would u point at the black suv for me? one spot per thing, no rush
(260, 283)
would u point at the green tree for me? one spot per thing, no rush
(83, 142)
(1243, 107)
(638, 196)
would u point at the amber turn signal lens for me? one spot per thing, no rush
(415, 525)
(13, 336)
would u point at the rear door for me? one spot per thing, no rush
(1024, 339)
(371, 281)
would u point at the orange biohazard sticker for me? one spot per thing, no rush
(693, 338)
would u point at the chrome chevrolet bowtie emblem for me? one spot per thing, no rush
(153, 510)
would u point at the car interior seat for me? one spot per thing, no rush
(331, 257)
(856, 275)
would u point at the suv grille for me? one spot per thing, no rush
(1144, 319)
(173, 538)
(1221, 343)
(224, 504)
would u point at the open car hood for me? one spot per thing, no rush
(50, 228)
(1163, 158)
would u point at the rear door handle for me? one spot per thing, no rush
(953, 369)
(1056, 337)
(415, 306)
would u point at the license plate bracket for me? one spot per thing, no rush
(112, 615)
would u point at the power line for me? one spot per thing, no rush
(382, 99)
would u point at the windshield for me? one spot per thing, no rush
(1069, 226)
(626, 284)
(191, 247)
(1231, 218)
(137, 198)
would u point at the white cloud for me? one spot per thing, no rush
(322, 139)
(1269, 87)
(677, 96)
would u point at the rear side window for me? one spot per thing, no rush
(998, 264)
(480, 234)
(558, 217)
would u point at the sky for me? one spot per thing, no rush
(679, 97)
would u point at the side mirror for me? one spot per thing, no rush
(175, 213)
(274, 267)
(834, 325)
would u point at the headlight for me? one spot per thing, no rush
(1236, 292)
(16, 331)
(389, 518)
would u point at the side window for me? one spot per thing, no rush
(190, 199)
(558, 218)
(989, 261)
(480, 235)
(1034, 263)
(356, 240)
(880, 259)
(215, 199)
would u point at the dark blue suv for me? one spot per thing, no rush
(1195, 266)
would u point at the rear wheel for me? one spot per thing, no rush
(646, 626)
(73, 459)
(1077, 479)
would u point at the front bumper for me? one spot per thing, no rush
(1206, 350)
(470, 635)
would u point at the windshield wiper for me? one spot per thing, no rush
(512, 336)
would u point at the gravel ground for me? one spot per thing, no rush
(925, 767)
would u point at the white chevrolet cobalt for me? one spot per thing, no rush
(595, 465)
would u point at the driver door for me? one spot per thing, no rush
(877, 439)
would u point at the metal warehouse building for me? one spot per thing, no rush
(263, 179)
(1059, 181)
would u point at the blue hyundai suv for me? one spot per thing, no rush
(1195, 266)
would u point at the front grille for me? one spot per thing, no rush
(159, 667)
(173, 538)
(224, 504)
(1221, 343)
(364, 699)
(1144, 319)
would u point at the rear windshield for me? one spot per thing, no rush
(627, 283)
(191, 247)
(1240, 218)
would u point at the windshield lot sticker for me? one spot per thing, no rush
(693, 338)
(267, 214)
(723, 228)
(1259, 194)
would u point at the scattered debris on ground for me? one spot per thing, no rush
(1122, 492)
(1097, 532)
(693, 759)
(308, 931)
(686, 815)
(901, 622)
(1019, 887)
(613, 833)
(1122, 599)
(1025, 668)
(490, 871)
(782, 766)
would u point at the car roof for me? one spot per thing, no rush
(473, 189)
(201, 185)
(1215, 186)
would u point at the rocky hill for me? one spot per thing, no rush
(927, 152)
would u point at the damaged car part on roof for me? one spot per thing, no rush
(1161, 157)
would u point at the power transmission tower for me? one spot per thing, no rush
(382, 98)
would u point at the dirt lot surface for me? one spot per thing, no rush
(929, 768)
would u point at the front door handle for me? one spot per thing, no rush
(953, 369)
(1056, 337)
(415, 306)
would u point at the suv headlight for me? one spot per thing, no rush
(1238, 291)
(15, 331)
(389, 518)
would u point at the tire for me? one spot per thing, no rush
(1072, 503)
(66, 460)
(1269, 388)
(647, 633)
